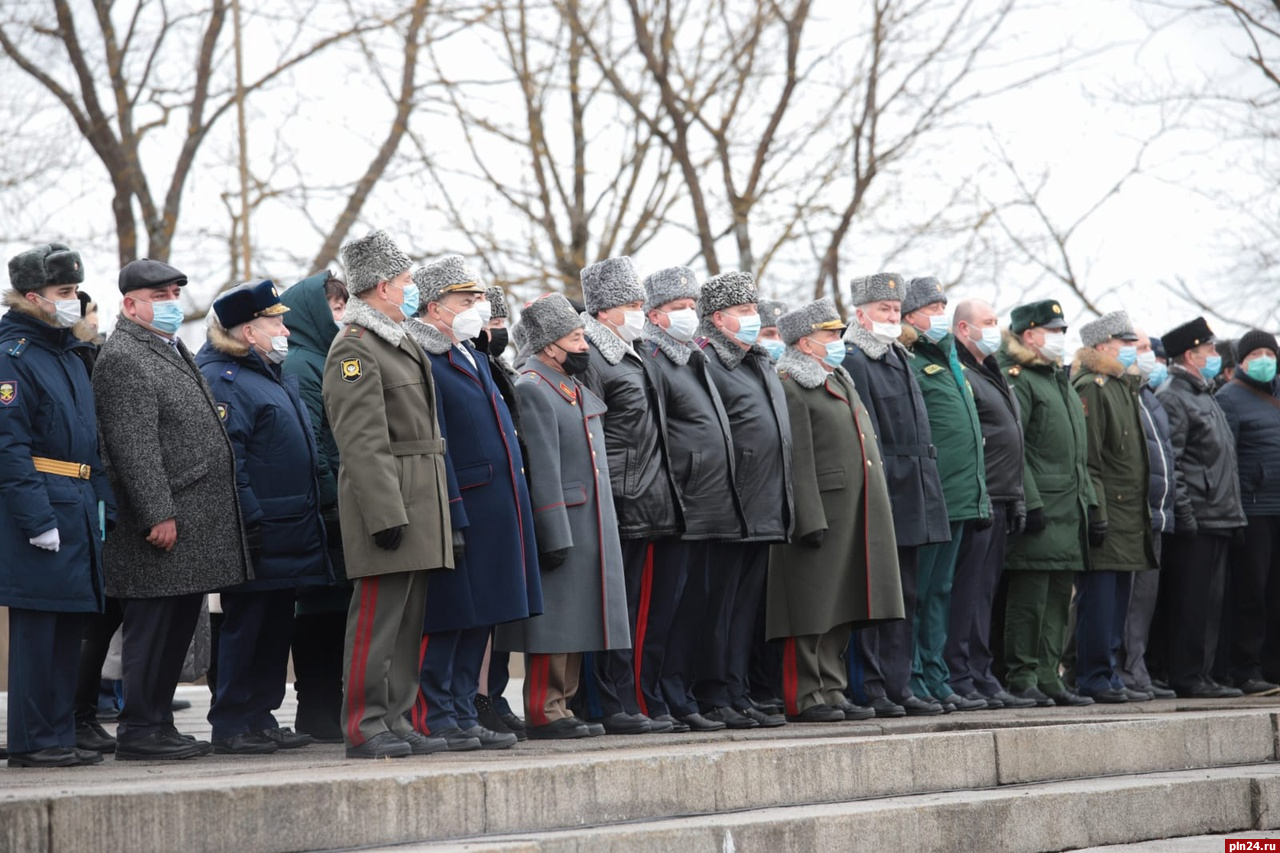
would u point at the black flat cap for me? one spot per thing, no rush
(144, 272)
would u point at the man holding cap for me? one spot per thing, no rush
(1106, 376)
(276, 461)
(1042, 563)
(55, 506)
(174, 474)
(495, 579)
(1208, 510)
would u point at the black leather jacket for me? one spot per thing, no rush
(1001, 425)
(1204, 453)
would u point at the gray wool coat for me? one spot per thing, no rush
(584, 598)
(168, 456)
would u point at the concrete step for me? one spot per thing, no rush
(1023, 819)
(312, 799)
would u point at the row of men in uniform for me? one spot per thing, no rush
(648, 556)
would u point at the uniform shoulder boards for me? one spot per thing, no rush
(18, 349)
(1100, 380)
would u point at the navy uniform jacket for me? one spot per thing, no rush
(497, 580)
(276, 463)
(46, 409)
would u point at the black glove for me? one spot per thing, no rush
(459, 547)
(1097, 529)
(1036, 522)
(980, 524)
(1237, 537)
(814, 539)
(549, 560)
(1015, 518)
(1186, 526)
(332, 527)
(253, 535)
(390, 539)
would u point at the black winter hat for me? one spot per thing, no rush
(52, 263)
(1256, 339)
(1187, 336)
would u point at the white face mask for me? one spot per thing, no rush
(1055, 345)
(279, 349)
(886, 333)
(683, 324)
(632, 326)
(65, 311)
(1146, 362)
(486, 313)
(467, 324)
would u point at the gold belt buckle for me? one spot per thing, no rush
(84, 472)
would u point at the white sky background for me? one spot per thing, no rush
(1157, 228)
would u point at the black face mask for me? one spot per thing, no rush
(497, 341)
(575, 362)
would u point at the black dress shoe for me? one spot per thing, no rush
(1138, 695)
(489, 717)
(1008, 700)
(765, 721)
(731, 718)
(677, 726)
(563, 729)
(1110, 696)
(993, 704)
(962, 703)
(514, 723)
(1159, 692)
(1258, 687)
(287, 738)
(623, 723)
(593, 729)
(456, 740)
(92, 736)
(180, 705)
(161, 746)
(817, 714)
(87, 756)
(660, 727)
(1035, 695)
(490, 739)
(914, 706)
(883, 706)
(247, 743)
(173, 734)
(771, 706)
(1209, 691)
(1068, 699)
(54, 756)
(381, 745)
(420, 744)
(853, 713)
(699, 723)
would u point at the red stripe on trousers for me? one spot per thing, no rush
(642, 624)
(539, 674)
(360, 658)
(790, 678)
(420, 706)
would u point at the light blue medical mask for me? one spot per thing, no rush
(167, 316)
(1128, 356)
(748, 329)
(1158, 375)
(989, 343)
(409, 307)
(939, 327)
(774, 347)
(835, 354)
(1212, 367)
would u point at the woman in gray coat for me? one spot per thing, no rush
(579, 553)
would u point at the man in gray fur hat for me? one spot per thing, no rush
(770, 310)
(761, 430)
(643, 496)
(700, 442)
(381, 402)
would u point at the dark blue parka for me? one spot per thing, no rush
(1162, 491)
(276, 462)
(1253, 411)
(497, 580)
(46, 410)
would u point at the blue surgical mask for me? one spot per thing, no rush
(167, 316)
(939, 327)
(774, 347)
(989, 343)
(1128, 356)
(835, 354)
(409, 307)
(748, 329)
(1158, 375)
(1261, 369)
(1212, 367)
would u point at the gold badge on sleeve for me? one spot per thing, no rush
(351, 369)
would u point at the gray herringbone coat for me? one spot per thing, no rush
(168, 456)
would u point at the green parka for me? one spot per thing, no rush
(1055, 472)
(1117, 460)
(953, 419)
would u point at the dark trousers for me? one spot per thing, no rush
(1252, 569)
(499, 677)
(735, 582)
(1102, 602)
(661, 591)
(682, 655)
(1137, 626)
(449, 678)
(612, 679)
(317, 667)
(156, 635)
(44, 657)
(973, 593)
(764, 677)
(1037, 604)
(253, 661)
(929, 674)
(1191, 594)
(885, 653)
(99, 628)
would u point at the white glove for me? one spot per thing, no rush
(48, 540)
